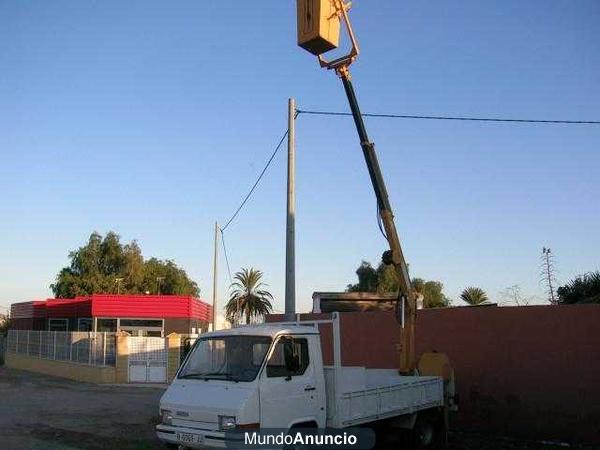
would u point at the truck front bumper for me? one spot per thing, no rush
(191, 437)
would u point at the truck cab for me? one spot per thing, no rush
(289, 375)
(248, 377)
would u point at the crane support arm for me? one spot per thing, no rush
(407, 297)
(319, 24)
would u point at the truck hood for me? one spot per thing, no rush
(204, 401)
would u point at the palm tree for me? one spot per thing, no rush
(248, 298)
(474, 295)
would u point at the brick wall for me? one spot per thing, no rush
(532, 371)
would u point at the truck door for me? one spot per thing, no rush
(288, 385)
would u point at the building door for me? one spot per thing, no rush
(147, 360)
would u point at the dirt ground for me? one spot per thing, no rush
(41, 412)
(473, 441)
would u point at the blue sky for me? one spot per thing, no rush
(153, 118)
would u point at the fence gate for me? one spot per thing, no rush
(147, 359)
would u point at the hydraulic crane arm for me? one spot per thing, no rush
(319, 24)
(318, 32)
(406, 295)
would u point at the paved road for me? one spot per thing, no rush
(40, 412)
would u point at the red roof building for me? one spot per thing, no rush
(140, 315)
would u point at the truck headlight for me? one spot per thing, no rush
(166, 417)
(226, 422)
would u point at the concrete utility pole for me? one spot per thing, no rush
(290, 239)
(118, 282)
(159, 280)
(214, 305)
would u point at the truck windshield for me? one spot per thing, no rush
(235, 358)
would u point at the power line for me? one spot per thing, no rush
(247, 197)
(475, 119)
(226, 257)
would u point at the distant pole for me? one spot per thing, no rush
(118, 282)
(214, 305)
(158, 281)
(290, 251)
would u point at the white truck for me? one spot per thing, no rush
(273, 376)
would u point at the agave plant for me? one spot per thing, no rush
(474, 295)
(583, 289)
(248, 298)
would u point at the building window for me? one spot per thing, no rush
(147, 323)
(142, 327)
(106, 325)
(58, 324)
(151, 333)
(84, 324)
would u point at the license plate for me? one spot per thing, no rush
(189, 438)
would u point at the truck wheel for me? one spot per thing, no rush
(311, 425)
(427, 432)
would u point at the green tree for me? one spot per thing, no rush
(4, 324)
(474, 295)
(167, 277)
(583, 289)
(387, 281)
(368, 279)
(432, 292)
(248, 298)
(382, 280)
(96, 267)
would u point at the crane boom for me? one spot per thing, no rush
(394, 256)
(318, 32)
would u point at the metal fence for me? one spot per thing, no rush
(96, 349)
